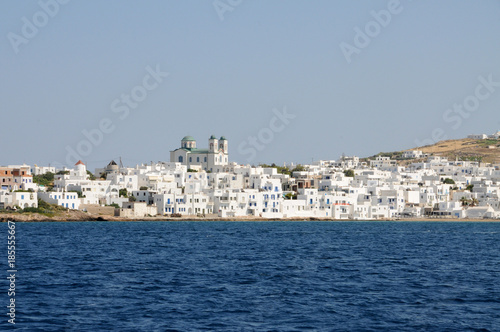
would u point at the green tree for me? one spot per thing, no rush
(284, 170)
(123, 192)
(91, 176)
(469, 187)
(46, 179)
(44, 205)
(349, 173)
(298, 168)
(448, 181)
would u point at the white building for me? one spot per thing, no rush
(136, 210)
(384, 163)
(20, 199)
(36, 170)
(480, 136)
(183, 204)
(495, 135)
(413, 154)
(68, 200)
(207, 159)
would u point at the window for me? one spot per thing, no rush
(197, 159)
(190, 159)
(181, 159)
(205, 159)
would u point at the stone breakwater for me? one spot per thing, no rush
(36, 217)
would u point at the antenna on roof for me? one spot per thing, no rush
(121, 164)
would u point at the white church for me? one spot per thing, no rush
(207, 159)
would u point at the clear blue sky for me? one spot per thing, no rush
(226, 77)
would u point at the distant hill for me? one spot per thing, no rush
(485, 150)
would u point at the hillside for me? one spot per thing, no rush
(487, 150)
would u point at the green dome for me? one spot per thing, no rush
(223, 138)
(188, 138)
(212, 137)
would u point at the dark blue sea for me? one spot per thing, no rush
(255, 276)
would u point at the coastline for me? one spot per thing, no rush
(78, 216)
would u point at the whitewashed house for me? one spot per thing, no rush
(19, 199)
(479, 136)
(413, 154)
(68, 200)
(136, 210)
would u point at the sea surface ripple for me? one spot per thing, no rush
(257, 276)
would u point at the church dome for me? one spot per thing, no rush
(223, 138)
(213, 137)
(188, 138)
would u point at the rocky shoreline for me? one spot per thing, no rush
(72, 216)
